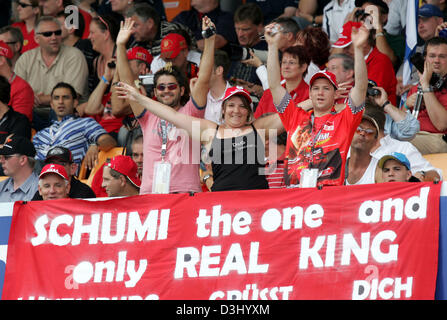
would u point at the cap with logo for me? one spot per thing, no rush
(126, 166)
(55, 169)
(324, 74)
(60, 153)
(18, 145)
(344, 38)
(231, 91)
(399, 157)
(171, 45)
(139, 53)
(5, 50)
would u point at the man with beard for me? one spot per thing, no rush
(169, 165)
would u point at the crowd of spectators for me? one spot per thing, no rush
(299, 93)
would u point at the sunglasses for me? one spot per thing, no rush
(170, 86)
(366, 131)
(48, 34)
(24, 5)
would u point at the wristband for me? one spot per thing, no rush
(386, 103)
(380, 34)
(104, 79)
(430, 89)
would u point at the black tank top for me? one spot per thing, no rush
(238, 163)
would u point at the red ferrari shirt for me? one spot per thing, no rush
(318, 142)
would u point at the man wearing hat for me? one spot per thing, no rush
(174, 48)
(22, 95)
(370, 144)
(120, 177)
(379, 66)
(53, 182)
(165, 146)
(429, 18)
(62, 156)
(17, 160)
(395, 167)
(319, 139)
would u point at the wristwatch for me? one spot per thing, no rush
(206, 177)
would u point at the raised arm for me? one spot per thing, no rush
(201, 86)
(273, 68)
(122, 64)
(163, 111)
(358, 92)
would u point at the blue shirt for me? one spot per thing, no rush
(75, 134)
(23, 193)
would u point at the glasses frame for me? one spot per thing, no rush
(169, 86)
(48, 34)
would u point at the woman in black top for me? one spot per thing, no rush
(236, 148)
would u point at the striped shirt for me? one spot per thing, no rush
(73, 133)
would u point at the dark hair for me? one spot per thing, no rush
(5, 90)
(435, 41)
(249, 12)
(221, 59)
(178, 75)
(67, 86)
(374, 111)
(317, 44)
(299, 52)
(108, 22)
(16, 34)
(144, 11)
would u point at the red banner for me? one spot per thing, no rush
(358, 242)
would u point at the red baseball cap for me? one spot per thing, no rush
(171, 45)
(54, 168)
(139, 53)
(324, 74)
(126, 166)
(5, 50)
(344, 39)
(236, 91)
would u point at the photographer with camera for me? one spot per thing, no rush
(432, 105)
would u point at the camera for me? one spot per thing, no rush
(238, 53)
(371, 91)
(417, 60)
(147, 79)
(208, 32)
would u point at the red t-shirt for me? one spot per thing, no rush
(323, 144)
(22, 97)
(424, 119)
(381, 71)
(87, 19)
(107, 120)
(265, 105)
(28, 37)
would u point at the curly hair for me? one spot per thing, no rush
(317, 44)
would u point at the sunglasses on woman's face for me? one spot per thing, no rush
(169, 86)
(24, 5)
(48, 34)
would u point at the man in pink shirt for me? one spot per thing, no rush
(170, 157)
